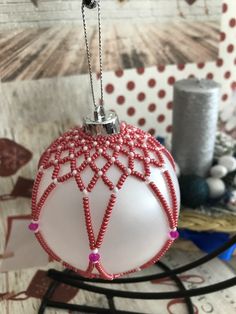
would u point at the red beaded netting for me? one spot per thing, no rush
(129, 142)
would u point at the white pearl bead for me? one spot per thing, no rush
(83, 141)
(229, 162)
(85, 148)
(131, 154)
(218, 171)
(100, 150)
(216, 187)
(100, 173)
(147, 159)
(107, 143)
(55, 181)
(74, 172)
(72, 155)
(115, 190)
(117, 148)
(85, 192)
(56, 161)
(129, 171)
(89, 159)
(147, 180)
(72, 144)
(95, 143)
(95, 251)
(113, 159)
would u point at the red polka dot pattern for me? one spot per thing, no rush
(141, 96)
(141, 121)
(161, 118)
(130, 85)
(119, 73)
(144, 96)
(131, 111)
(171, 80)
(232, 22)
(120, 100)
(109, 88)
(230, 48)
(152, 107)
(152, 82)
(161, 93)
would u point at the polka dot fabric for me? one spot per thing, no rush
(144, 96)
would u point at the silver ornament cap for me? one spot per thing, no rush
(101, 122)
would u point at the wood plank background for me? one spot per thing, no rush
(22, 13)
(59, 51)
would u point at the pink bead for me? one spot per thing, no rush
(174, 234)
(33, 226)
(94, 257)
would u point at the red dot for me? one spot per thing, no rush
(152, 107)
(120, 100)
(224, 97)
(230, 48)
(169, 105)
(235, 61)
(233, 85)
(161, 93)
(119, 73)
(171, 80)
(140, 70)
(201, 65)
(161, 118)
(152, 131)
(181, 66)
(227, 74)
(141, 96)
(130, 85)
(141, 121)
(151, 82)
(224, 7)
(169, 129)
(219, 62)
(161, 68)
(131, 111)
(222, 36)
(209, 76)
(109, 88)
(232, 22)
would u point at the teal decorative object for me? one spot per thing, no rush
(194, 190)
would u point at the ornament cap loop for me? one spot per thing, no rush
(102, 123)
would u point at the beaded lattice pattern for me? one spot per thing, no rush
(81, 151)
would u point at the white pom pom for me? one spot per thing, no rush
(218, 171)
(216, 187)
(229, 162)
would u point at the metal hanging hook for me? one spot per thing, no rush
(101, 122)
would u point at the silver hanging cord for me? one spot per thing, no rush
(92, 4)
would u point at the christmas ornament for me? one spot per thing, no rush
(229, 162)
(105, 200)
(194, 190)
(216, 187)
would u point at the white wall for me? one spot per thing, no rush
(22, 13)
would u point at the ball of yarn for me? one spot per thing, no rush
(229, 162)
(216, 187)
(218, 171)
(194, 190)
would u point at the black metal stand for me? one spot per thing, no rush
(72, 279)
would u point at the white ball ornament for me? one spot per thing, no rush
(216, 187)
(218, 171)
(103, 211)
(229, 162)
